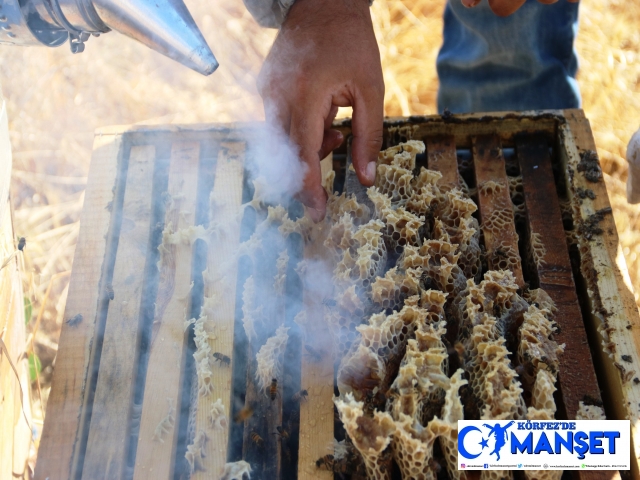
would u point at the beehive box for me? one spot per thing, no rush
(129, 398)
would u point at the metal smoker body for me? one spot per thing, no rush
(163, 25)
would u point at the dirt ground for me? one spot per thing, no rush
(56, 100)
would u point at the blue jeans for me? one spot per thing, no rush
(522, 62)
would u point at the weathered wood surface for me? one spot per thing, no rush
(496, 209)
(316, 413)
(106, 453)
(462, 127)
(441, 154)
(577, 376)
(268, 310)
(158, 425)
(219, 287)
(66, 404)
(615, 311)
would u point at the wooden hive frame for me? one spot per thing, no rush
(119, 404)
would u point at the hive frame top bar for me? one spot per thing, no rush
(510, 124)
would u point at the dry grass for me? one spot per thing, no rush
(56, 100)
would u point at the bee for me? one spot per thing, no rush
(73, 321)
(369, 405)
(257, 439)
(223, 359)
(109, 290)
(326, 461)
(343, 467)
(427, 281)
(434, 465)
(273, 389)
(314, 355)
(284, 434)
(300, 396)
(244, 414)
(22, 242)
(329, 302)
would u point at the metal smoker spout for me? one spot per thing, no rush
(166, 26)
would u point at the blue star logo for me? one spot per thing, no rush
(484, 443)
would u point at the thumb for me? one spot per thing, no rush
(368, 113)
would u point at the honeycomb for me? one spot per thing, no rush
(269, 357)
(196, 452)
(202, 355)
(423, 337)
(590, 412)
(371, 436)
(490, 311)
(538, 250)
(390, 291)
(537, 350)
(364, 259)
(240, 470)
(281, 275)
(327, 181)
(505, 256)
(166, 424)
(516, 190)
(344, 318)
(250, 312)
(217, 417)
(455, 210)
(543, 407)
(401, 228)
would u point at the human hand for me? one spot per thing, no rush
(324, 57)
(504, 8)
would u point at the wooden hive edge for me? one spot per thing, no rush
(614, 319)
(544, 119)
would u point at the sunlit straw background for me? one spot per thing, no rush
(56, 100)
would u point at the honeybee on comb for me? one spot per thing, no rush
(256, 439)
(282, 432)
(300, 396)
(329, 302)
(313, 354)
(327, 462)
(244, 414)
(273, 389)
(223, 359)
(73, 321)
(109, 290)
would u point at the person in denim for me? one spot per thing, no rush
(525, 61)
(499, 55)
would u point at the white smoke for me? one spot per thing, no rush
(274, 165)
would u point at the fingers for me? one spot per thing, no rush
(307, 131)
(504, 8)
(470, 3)
(367, 121)
(332, 140)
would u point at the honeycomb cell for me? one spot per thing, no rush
(371, 436)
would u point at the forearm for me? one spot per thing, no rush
(271, 13)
